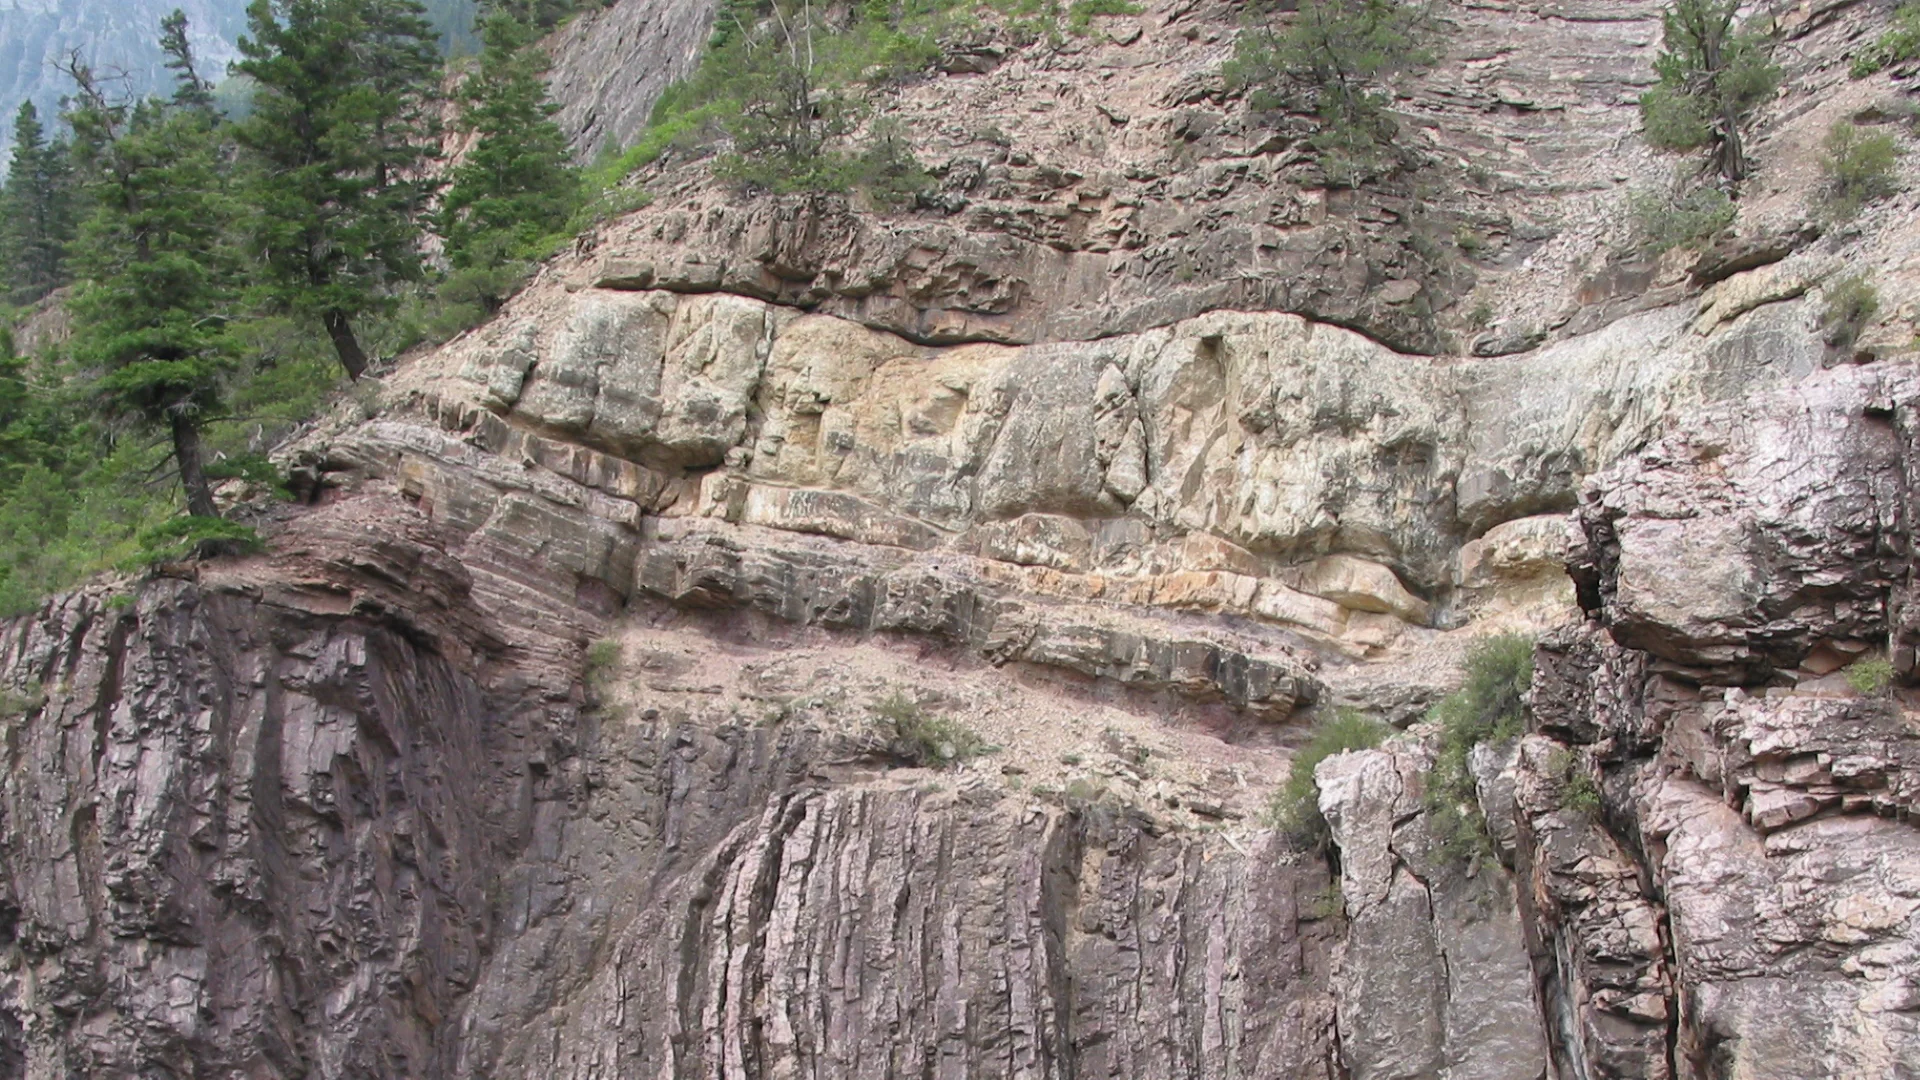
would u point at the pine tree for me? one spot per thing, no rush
(190, 90)
(1713, 75)
(1331, 58)
(515, 187)
(157, 287)
(38, 221)
(341, 142)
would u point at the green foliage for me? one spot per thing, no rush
(1331, 60)
(921, 738)
(1856, 168)
(167, 385)
(69, 506)
(512, 195)
(1081, 13)
(1578, 793)
(1870, 676)
(1663, 220)
(1674, 121)
(539, 14)
(1713, 75)
(602, 657)
(1296, 806)
(1852, 302)
(192, 537)
(36, 212)
(787, 87)
(158, 284)
(1900, 43)
(1490, 707)
(255, 469)
(18, 703)
(343, 128)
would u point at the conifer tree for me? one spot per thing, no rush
(190, 90)
(515, 188)
(38, 219)
(341, 140)
(156, 282)
(1332, 58)
(1713, 75)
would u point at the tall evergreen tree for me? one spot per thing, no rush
(37, 205)
(341, 139)
(515, 187)
(157, 285)
(190, 90)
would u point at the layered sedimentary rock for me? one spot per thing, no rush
(594, 710)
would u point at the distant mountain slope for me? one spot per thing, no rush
(119, 35)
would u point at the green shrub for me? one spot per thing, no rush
(1578, 793)
(1295, 809)
(1856, 168)
(1900, 43)
(921, 738)
(255, 469)
(1674, 121)
(787, 87)
(193, 537)
(1664, 220)
(1081, 14)
(18, 703)
(1852, 302)
(602, 657)
(1081, 791)
(1332, 58)
(1870, 675)
(1490, 707)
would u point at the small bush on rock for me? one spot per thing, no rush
(1856, 168)
(1296, 806)
(1852, 302)
(1664, 220)
(921, 738)
(17, 703)
(1489, 708)
(1578, 792)
(602, 657)
(1081, 13)
(1871, 675)
(1332, 58)
(1900, 43)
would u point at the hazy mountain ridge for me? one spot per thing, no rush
(36, 36)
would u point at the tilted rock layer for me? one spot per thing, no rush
(791, 641)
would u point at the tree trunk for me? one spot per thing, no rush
(344, 343)
(193, 473)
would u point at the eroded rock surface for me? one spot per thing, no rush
(794, 641)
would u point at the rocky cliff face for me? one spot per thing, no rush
(568, 726)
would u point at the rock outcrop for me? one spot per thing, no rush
(796, 641)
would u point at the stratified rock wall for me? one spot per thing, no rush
(794, 641)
